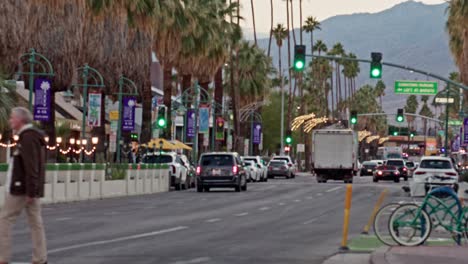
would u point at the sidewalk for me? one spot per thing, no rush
(420, 255)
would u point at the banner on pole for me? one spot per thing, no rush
(257, 133)
(94, 109)
(204, 113)
(465, 130)
(42, 89)
(128, 115)
(190, 123)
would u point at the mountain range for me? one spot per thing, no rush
(410, 33)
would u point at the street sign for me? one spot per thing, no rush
(300, 148)
(444, 100)
(415, 87)
(454, 122)
(205, 140)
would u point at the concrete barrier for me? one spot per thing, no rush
(78, 182)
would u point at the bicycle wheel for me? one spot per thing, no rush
(380, 224)
(409, 225)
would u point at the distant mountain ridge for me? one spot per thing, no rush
(410, 33)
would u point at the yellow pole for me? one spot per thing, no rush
(348, 198)
(374, 212)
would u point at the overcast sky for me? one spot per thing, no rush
(321, 9)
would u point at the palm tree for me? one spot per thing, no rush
(457, 27)
(338, 50)
(290, 95)
(7, 102)
(271, 27)
(292, 22)
(312, 24)
(380, 90)
(411, 107)
(253, 21)
(425, 111)
(280, 33)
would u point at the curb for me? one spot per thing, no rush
(378, 256)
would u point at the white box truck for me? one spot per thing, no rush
(334, 154)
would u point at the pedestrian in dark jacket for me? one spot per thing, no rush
(25, 186)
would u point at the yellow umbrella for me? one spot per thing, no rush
(156, 143)
(180, 145)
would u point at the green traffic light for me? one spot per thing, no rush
(395, 133)
(288, 140)
(400, 119)
(353, 120)
(299, 65)
(161, 122)
(376, 73)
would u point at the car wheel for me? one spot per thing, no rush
(244, 188)
(237, 188)
(397, 180)
(206, 189)
(265, 179)
(178, 186)
(375, 180)
(406, 178)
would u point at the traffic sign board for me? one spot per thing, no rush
(415, 87)
(444, 100)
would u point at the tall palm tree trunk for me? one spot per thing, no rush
(253, 21)
(289, 64)
(271, 27)
(292, 22)
(300, 18)
(332, 96)
(167, 87)
(345, 89)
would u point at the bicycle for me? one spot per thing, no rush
(411, 224)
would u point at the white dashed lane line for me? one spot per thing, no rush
(63, 219)
(214, 220)
(264, 208)
(334, 189)
(319, 194)
(281, 204)
(242, 214)
(297, 201)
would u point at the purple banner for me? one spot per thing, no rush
(257, 133)
(42, 90)
(128, 113)
(465, 131)
(190, 123)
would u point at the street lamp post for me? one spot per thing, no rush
(88, 73)
(447, 119)
(33, 58)
(95, 141)
(123, 81)
(72, 144)
(58, 140)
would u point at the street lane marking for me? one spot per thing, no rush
(264, 208)
(319, 194)
(281, 204)
(120, 239)
(214, 220)
(63, 219)
(297, 201)
(310, 221)
(309, 197)
(242, 214)
(194, 261)
(334, 189)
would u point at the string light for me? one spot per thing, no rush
(309, 121)
(7, 145)
(372, 138)
(89, 153)
(383, 140)
(363, 134)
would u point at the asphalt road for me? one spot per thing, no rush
(282, 221)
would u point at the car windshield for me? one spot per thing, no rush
(252, 160)
(248, 163)
(285, 159)
(399, 163)
(369, 164)
(393, 155)
(386, 167)
(277, 163)
(410, 164)
(217, 160)
(435, 164)
(158, 159)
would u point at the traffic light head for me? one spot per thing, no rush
(412, 134)
(376, 65)
(395, 133)
(400, 116)
(134, 137)
(354, 117)
(162, 118)
(288, 139)
(299, 57)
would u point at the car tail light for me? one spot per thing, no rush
(451, 174)
(290, 164)
(198, 170)
(420, 173)
(405, 169)
(173, 169)
(380, 173)
(235, 169)
(397, 173)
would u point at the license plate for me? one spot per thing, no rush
(369, 170)
(216, 172)
(276, 169)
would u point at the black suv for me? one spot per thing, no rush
(221, 169)
(400, 164)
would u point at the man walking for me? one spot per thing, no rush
(24, 186)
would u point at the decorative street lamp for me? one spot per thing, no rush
(72, 143)
(94, 141)
(58, 140)
(15, 137)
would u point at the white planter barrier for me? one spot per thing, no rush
(78, 182)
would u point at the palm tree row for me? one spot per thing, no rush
(193, 37)
(457, 27)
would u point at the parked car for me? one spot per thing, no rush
(262, 169)
(411, 167)
(386, 172)
(291, 164)
(191, 171)
(221, 169)
(436, 171)
(368, 168)
(400, 164)
(253, 172)
(177, 171)
(278, 168)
